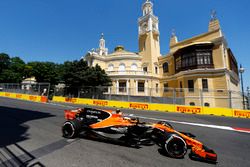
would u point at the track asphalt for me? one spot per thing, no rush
(31, 136)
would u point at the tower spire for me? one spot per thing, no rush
(147, 7)
(214, 23)
(213, 15)
(149, 37)
(102, 49)
(173, 39)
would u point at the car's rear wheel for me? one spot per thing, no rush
(71, 129)
(175, 146)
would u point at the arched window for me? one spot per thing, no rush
(134, 67)
(122, 67)
(192, 104)
(165, 67)
(206, 104)
(110, 67)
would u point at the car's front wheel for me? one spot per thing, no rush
(175, 146)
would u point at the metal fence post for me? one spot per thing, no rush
(201, 97)
(79, 91)
(128, 94)
(150, 95)
(39, 90)
(230, 98)
(248, 101)
(48, 91)
(109, 90)
(174, 96)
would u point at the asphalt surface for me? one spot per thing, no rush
(31, 136)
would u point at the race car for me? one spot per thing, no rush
(115, 126)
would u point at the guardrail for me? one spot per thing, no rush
(158, 107)
(34, 98)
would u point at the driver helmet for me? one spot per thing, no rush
(118, 111)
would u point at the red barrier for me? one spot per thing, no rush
(44, 99)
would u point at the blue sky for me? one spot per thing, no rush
(61, 30)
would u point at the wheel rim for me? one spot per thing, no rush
(68, 129)
(176, 147)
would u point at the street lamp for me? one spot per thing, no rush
(248, 96)
(242, 87)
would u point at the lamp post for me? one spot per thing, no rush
(248, 97)
(242, 87)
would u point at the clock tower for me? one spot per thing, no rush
(149, 46)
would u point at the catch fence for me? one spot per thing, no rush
(40, 89)
(184, 96)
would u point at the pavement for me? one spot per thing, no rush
(31, 136)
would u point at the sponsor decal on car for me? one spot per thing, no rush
(138, 106)
(100, 103)
(241, 113)
(93, 112)
(184, 109)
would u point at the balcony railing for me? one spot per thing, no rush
(128, 72)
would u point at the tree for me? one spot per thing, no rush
(78, 74)
(11, 69)
(97, 77)
(16, 68)
(4, 61)
(43, 72)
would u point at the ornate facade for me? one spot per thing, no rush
(203, 62)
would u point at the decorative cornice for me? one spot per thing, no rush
(116, 57)
(146, 17)
(189, 40)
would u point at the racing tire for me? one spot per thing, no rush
(175, 146)
(71, 128)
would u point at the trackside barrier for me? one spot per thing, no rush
(158, 107)
(34, 98)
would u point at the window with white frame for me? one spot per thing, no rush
(110, 67)
(134, 67)
(122, 67)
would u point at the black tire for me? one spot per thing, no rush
(175, 146)
(71, 128)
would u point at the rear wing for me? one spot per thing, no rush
(71, 114)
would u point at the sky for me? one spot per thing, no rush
(61, 30)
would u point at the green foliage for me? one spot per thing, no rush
(11, 69)
(44, 72)
(4, 61)
(75, 74)
(79, 74)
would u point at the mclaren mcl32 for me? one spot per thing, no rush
(113, 125)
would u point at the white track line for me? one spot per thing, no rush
(198, 124)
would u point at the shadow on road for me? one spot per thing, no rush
(12, 129)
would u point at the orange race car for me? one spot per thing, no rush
(113, 125)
